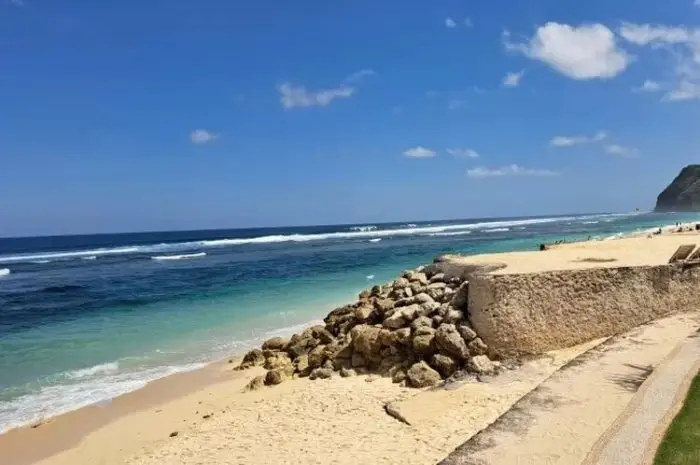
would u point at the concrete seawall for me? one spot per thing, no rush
(531, 313)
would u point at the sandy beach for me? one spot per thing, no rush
(206, 417)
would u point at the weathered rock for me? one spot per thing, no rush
(416, 287)
(461, 295)
(317, 356)
(279, 360)
(363, 313)
(322, 334)
(364, 295)
(449, 342)
(328, 365)
(420, 375)
(444, 364)
(376, 290)
(437, 320)
(277, 376)
(365, 340)
(454, 316)
(429, 308)
(347, 372)
(436, 294)
(321, 373)
(482, 365)
(383, 305)
(437, 285)
(255, 383)
(422, 321)
(422, 298)
(400, 283)
(253, 358)
(301, 365)
(402, 336)
(437, 277)
(424, 344)
(408, 291)
(358, 360)
(420, 278)
(301, 344)
(422, 330)
(398, 376)
(478, 347)
(276, 343)
(467, 333)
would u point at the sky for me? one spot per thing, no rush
(181, 114)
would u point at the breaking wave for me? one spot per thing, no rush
(179, 257)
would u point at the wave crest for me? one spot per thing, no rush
(179, 257)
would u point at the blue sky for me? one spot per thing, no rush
(182, 114)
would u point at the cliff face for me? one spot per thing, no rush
(683, 194)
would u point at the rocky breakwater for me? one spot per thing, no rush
(414, 330)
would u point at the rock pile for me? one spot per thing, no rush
(414, 330)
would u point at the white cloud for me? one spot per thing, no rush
(685, 90)
(450, 23)
(645, 34)
(419, 152)
(292, 96)
(648, 86)
(510, 170)
(588, 51)
(570, 141)
(513, 79)
(682, 44)
(621, 150)
(202, 136)
(463, 153)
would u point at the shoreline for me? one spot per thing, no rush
(160, 391)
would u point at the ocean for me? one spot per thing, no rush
(86, 318)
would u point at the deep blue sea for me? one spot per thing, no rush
(85, 318)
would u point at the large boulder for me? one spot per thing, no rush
(321, 373)
(256, 383)
(253, 358)
(449, 342)
(420, 375)
(317, 356)
(482, 365)
(459, 300)
(383, 305)
(365, 340)
(478, 347)
(467, 333)
(444, 364)
(301, 344)
(400, 283)
(277, 376)
(275, 343)
(279, 360)
(424, 342)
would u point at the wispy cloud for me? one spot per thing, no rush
(450, 23)
(513, 79)
(202, 136)
(621, 151)
(588, 51)
(463, 153)
(419, 152)
(682, 44)
(292, 96)
(510, 170)
(17, 3)
(570, 141)
(648, 86)
(469, 23)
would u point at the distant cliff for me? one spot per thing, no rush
(683, 194)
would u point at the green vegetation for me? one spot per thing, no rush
(681, 445)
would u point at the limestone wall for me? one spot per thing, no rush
(536, 312)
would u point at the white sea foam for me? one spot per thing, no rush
(410, 225)
(101, 369)
(90, 257)
(41, 262)
(375, 240)
(453, 233)
(370, 277)
(360, 232)
(49, 401)
(590, 222)
(496, 230)
(4, 271)
(179, 257)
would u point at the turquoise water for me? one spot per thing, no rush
(85, 318)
